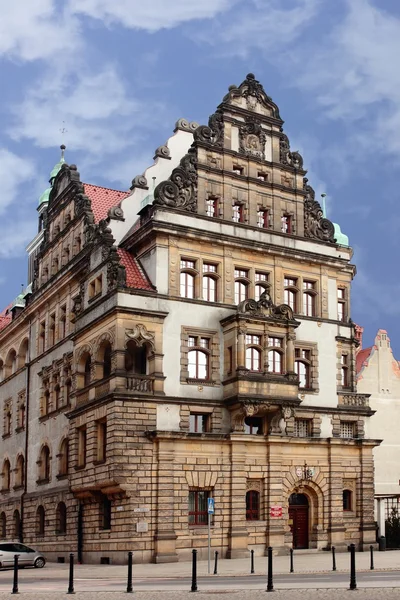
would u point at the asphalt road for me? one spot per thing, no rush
(31, 580)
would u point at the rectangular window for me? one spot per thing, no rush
(262, 176)
(42, 337)
(237, 213)
(52, 329)
(275, 341)
(286, 224)
(105, 513)
(82, 446)
(237, 170)
(187, 264)
(198, 507)
(344, 370)
(187, 278)
(347, 429)
(253, 339)
(230, 359)
(199, 423)
(290, 282)
(347, 500)
(302, 427)
(212, 207)
(241, 273)
(209, 267)
(341, 304)
(101, 440)
(62, 324)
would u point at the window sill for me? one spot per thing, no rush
(42, 481)
(19, 429)
(6, 435)
(104, 529)
(207, 382)
(60, 532)
(5, 490)
(54, 413)
(80, 467)
(99, 462)
(95, 297)
(16, 488)
(63, 476)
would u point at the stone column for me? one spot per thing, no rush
(165, 537)
(290, 352)
(241, 354)
(274, 497)
(237, 535)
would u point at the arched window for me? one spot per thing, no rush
(262, 284)
(57, 392)
(40, 521)
(87, 370)
(309, 298)
(302, 367)
(253, 352)
(17, 525)
(23, 353)
(252, 505)
(290, 292)
(6, 480)
(63, 458)
(7, 419)
(11, 363)
(242, 283)
(347, 500)
(209, 282)
(3, 525)
(253, 425)
(198, 357)
(188, 278)
(44, 464)
(105, 358)
(136, 358)
(20, 471)
(61, 518)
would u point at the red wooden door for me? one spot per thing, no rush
(299, 527)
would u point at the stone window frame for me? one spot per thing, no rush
(214, 353)
(350, 483)
(314, 364)
(292, 221)
(21, 411)
(7, 418)
(256, 485)
(315, 423)
(358, 425)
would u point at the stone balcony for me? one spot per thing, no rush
(352, 400)
(132, 384)
(245, 384)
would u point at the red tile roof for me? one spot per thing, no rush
(135, 275)
(5, 317)
(103, 199)
(362, 357)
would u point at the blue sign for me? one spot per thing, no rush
(210, 508)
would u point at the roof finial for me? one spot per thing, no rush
(323, 196)
(63, 131)
(62, 148)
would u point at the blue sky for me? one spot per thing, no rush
(119, 73)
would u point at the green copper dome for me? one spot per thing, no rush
(45, 196)
(56, 169)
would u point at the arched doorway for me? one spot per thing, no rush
(298, 520)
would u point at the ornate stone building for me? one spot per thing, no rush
(187, 339)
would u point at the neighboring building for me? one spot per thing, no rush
(379, 373)
(189, 342)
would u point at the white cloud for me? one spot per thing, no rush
(14, 172)
(15, 236)
(36, 29)
(151, 16)
(98, 113)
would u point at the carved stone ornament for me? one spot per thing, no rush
(77, 305)
(162, 152)
(315, 224)
(264, 307)
(116, 213)
(139, 181)
(253, 91)
(140, 336)
(185, 125)
(252, 139)
(180, 190)
(116, 273)
(286, 156)
(213, 133)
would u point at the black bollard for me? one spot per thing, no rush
(353, 583)
(251, 561)
(71, 575)
(15, 581)
(371, 549)
(216, 562)
(270, 584)
(291, 560)
(129, 587)
(333, 559)
(194, 571)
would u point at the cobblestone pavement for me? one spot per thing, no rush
(371, 594)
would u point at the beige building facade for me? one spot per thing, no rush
(184, 343)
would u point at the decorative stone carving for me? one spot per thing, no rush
(162, 152)
(252, 90)
(139, 181)
(252, 139)
(286, 157)
(184, 125)
(180, 190)
(140, 336)
(116, 273)
(264, 307)
(116, 213)
(315, 224)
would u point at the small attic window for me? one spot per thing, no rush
(237, 169)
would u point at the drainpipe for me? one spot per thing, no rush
(27, 402)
